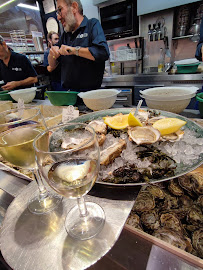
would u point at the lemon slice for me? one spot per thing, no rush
(168, 125)
(119, 121)
(133, 121)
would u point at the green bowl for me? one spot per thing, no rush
(188, 68)
(199, 97)
(4, 95)
(62, 98)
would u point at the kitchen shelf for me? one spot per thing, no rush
(182, 37)
(114, 41)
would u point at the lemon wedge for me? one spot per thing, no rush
(168, 125)
(133, 121)
(119, 121)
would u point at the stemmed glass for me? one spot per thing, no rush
(18, 128)
(69, 159)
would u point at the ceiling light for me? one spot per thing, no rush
(8, 2)
(27, 6)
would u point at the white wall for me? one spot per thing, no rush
(89, 9)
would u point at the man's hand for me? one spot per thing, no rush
(10, 85)
(67, 50)
(54, 52)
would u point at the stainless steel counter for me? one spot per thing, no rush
(134, 79)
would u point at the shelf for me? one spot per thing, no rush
(113, 41)
(182, 37)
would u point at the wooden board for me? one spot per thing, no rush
(177, 251)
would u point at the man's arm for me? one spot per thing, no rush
(83, 52)
(16, 84)
(52, 58)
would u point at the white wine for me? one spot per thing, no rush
(16, 146)
(73, 178)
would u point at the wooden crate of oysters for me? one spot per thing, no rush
(169, 214)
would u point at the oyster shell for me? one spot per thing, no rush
(194, 215)
(99, 126)
(175, 188)
(174, 238)
(197, 241)
(197, 178)
(143, 135)
(152, 120)
(200, 201)
(171, 221)
(173, 137)
(150, 219)
(134, 220)
(156, 191)
(144, 202)
(186, 183)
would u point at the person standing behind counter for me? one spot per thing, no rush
(15, 69)
(82, 49)
(199, 51)
(54, 74)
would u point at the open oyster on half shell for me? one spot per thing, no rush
(143, 135)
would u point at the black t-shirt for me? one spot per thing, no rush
(19, 68)
(78, 73)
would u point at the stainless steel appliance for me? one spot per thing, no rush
(119, 18)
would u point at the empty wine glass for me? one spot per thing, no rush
(18, 128)
(69, 159)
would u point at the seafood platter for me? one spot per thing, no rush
(152, 147)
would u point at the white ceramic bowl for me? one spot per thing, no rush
(172, 99)
(101, 99)
(27, 94)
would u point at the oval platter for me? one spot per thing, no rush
(181, 168)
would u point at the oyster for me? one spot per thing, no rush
(194, 215)
(144, 202)
(150, 220)
(186, 183)
(170, 202)
(197, 178)
(173, 137)
(143, 135)
(174, 238)
(152, 120)
(156, 191)
(109, 154)
(98, 126)
(134, 220)
(185, 201)
(197, 241)
(171, 221)
(200, 201)
(175, 188)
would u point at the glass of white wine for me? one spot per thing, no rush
(18, 128)
(69, 159)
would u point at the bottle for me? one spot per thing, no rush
(161, 61)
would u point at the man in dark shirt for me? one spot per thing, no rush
(82, 49)
(199, 51)
(54, 75)
(15, 69)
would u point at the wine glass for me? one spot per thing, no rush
(69, 159)
(18, 128)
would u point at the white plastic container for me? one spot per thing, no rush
(27, 94)
(172, 99)
(100, 99)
